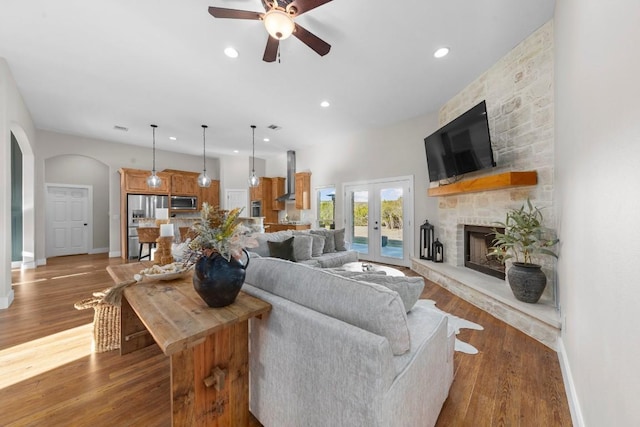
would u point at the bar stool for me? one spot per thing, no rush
(147, 236)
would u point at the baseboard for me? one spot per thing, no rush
(98, 251)
(569, 386)
(115, 254)
(41, 262)
(6, 300)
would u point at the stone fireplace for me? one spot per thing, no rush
(477, 243)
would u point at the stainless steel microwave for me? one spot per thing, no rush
(184, 203)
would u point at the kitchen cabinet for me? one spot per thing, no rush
(135, 181)
(210, 195)
(277, 190)
(271, 227)
(303, 190)
(184, 183)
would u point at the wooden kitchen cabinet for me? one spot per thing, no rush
(184, 183)
(271, 227)
(210, 195)
(303, 190)
(277, 190)
(135, 181)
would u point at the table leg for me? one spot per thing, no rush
(133, 333)
(193, 403)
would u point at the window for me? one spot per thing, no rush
(327, 207)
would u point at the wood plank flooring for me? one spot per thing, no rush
(49, 376)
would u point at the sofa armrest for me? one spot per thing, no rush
(307, 368)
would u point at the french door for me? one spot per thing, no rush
(379, 218)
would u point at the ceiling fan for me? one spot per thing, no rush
(279, 22)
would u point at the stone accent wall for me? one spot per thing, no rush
(519, 93)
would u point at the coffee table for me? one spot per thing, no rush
(365, 266)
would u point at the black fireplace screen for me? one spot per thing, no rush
(477, 241)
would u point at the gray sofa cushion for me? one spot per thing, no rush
(338, 237)
(409, 288)
(329, 241)
(317, 245)
(365, 305)
(302, 247)
(262, 238)
(336, 259)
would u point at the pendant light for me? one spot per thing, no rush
(254, 181)
(154, 180)
(203, 179)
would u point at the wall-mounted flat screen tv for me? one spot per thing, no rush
(461, 146)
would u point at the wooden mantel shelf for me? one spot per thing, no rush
(492, 182)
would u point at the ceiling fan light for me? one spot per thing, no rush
(279, 24)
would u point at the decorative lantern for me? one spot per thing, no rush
(426, 240)
(438, 251)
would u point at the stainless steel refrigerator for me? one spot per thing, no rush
(141, 206)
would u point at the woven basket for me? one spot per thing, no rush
(106, 324)
(106, 327)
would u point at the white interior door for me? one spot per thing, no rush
(237, 199)
(379, 220)
(67, 221)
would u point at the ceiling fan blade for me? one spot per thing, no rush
(303, 6)
(314, 42)
(271, 51)
(219, 12)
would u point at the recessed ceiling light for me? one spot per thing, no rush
(231, 52)
(173, 138)
(121, 128)
(266, 140)
(324, 104)
(236, 151)
(443, 51)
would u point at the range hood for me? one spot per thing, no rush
(291, 178)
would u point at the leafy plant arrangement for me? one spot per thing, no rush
(523, 236)
(220, 231)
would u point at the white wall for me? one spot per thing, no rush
(82, 170)
(392, 151)
(14, 117)
(115, 156)
(598, 204)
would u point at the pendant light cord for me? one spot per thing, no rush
(204, 149)
(154, 148)
(253, 150)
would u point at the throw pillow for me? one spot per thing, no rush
(317, 245)
(329, 241)
(409, 288)
(338, 237)
(283, 250)
(302, 247)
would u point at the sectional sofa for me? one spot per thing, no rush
(317, 248)
(336, 351)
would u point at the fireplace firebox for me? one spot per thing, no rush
(477, 241)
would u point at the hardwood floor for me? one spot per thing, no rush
(49, 376)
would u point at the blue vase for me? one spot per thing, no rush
(217, 280)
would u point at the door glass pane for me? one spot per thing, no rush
(327, 207)
(360, 231)
(391, 239)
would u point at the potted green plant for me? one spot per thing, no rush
(523, 240)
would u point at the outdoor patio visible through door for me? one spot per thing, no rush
(379, 218)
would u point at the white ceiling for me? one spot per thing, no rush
(84, 66)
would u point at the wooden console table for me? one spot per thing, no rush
(208, 346)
